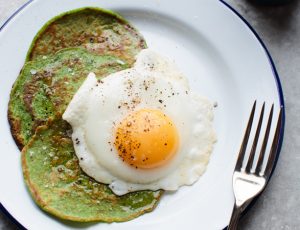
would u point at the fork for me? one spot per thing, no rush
(248, 182)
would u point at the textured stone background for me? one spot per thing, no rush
(279, 27)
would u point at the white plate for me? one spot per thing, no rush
(223, 59)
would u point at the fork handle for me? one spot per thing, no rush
(234, 218)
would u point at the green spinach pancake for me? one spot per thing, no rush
(99, 31)
(58, 185)
(46, 86)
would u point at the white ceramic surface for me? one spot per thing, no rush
(223, 61)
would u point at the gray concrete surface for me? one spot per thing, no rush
(279, 27)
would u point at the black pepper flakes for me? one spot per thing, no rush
(77, 141)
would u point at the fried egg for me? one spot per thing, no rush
(142, 128)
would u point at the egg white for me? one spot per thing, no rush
(153, 83)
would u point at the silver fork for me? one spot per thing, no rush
(248, 182)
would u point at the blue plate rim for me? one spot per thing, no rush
(275, 74)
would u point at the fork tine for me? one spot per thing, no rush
(254, 145)
(264, 144)
(273, 150)
(245, 140)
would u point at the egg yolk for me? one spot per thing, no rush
(146, 139)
